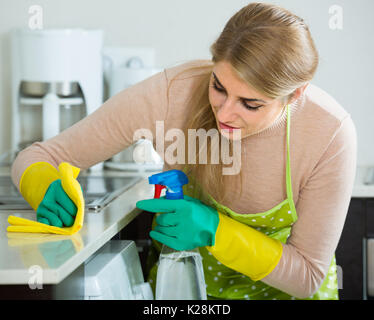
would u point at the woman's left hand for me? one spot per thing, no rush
(184, 223)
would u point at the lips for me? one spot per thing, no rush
(225, 126)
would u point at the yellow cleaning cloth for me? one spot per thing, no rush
(68, 175)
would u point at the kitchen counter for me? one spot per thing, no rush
(21, 254)
(361, 190)
(57, 256)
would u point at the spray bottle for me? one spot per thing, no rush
(180, 274)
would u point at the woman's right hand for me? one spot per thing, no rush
(56, 208)
(46, 189)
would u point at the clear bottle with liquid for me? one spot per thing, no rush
(180, 275)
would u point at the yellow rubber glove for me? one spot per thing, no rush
(245, 249)
(33, 186)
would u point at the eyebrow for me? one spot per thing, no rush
(246, 99)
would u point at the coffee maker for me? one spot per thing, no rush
(57, 79)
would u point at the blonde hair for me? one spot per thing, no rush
(272, 50)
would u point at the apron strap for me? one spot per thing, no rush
(288, 166)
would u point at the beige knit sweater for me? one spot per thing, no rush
(323, 164)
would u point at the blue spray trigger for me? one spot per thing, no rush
(173, 180)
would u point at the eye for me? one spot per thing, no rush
(217, 88)
(247, 106)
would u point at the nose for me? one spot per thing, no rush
(226, 112)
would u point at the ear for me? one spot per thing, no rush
(298, 93)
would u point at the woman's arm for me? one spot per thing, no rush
(103, 133)
(322, 208)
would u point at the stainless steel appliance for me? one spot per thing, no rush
(115, 273)
(369, 265)
(368, 252)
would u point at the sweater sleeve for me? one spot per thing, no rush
(105, 132)
(322, 208)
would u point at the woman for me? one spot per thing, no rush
(263, 233)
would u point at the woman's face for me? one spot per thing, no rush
(237, 106)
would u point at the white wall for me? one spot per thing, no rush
(182, 30)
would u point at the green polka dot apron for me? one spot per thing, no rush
(225, 283)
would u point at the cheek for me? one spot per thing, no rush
(252, 119)
(258, 119)
(249, 119)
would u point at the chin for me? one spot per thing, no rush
(232, 136)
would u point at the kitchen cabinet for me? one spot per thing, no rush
(349, 253)
(138, 230)
(71, 288)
